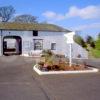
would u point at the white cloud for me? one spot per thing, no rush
(85, 13)
(53, 15)
(88, 26)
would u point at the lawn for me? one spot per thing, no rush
(95, 53)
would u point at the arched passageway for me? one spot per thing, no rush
(12, 45)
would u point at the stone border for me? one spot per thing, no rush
(93, 70)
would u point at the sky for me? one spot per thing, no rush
(82, 16)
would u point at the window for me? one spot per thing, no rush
(38, 44)
(35, 33)
(53, 46)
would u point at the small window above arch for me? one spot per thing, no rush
(35, 33)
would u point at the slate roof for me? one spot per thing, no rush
(31, 26)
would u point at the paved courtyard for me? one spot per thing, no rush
(19, 82)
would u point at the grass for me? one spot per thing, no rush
(95, 53)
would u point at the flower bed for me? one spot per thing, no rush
(44, 72)
(57, 64)
(61, 66)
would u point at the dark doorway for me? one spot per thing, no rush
(12, 45)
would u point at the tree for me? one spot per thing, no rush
(89, 39)
(6, 13)
(25, 19)
(92, 44)
(79, 40)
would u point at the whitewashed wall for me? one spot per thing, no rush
(48, 37)
(76, 50)
(25, 35)
(52, 37)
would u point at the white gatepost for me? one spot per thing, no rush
(70, 55)
(70, 41)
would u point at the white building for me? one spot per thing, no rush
(31, 39)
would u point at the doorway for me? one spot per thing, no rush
(12, 45)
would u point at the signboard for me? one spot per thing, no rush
(69, 37)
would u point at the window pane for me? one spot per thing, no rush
(38, 44)
(35, 33)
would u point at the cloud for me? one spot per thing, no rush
(53, 15)
(88, 26)
(85, 13)
(88, 12)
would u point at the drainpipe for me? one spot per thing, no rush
(1, 43)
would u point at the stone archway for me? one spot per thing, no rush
(12, 45)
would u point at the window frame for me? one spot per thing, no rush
(35, 46)
(53, 46)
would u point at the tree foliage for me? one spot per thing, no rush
(78, 39)
(89, 39)
(6, 12)
(25, 19)
(92, 44)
